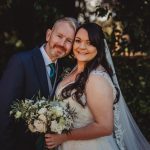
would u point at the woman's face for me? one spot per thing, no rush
(82, 48)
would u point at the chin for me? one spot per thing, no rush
(82, 59)
(60, 55)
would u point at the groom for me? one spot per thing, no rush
(26, 74)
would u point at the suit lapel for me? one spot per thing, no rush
(41, 71)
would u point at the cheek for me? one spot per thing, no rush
(93, 54)
(68, 47)
(54, 40)
(51, 42)
(75, 46)
(74, 52)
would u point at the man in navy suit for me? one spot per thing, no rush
(26, 74)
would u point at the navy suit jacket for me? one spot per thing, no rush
(24, 77)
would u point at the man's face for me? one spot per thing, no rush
(59, 40)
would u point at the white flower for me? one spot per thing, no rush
(31, 128)
(18, 114)
(42, 111)
(42, 118)
(55, 127)
(58, 111)
(40, 126)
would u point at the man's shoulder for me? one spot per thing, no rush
(23, 56)
(26, 53)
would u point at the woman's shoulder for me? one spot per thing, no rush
(99, 71)
(101, 78)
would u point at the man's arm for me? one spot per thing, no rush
(11, 87)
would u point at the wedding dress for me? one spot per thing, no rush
(126, 134)
(84, 117)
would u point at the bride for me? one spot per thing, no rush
(103, 120)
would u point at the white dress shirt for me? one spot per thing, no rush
(47, 61)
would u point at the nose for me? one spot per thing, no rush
(82, 45)
(62, 42)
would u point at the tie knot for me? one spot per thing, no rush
(52, 67)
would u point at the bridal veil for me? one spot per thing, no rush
(132, 138)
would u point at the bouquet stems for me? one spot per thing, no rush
(40, 143)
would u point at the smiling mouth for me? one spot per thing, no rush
(82, 53)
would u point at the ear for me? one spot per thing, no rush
(48, 34)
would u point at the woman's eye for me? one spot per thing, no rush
(89, 43)
(77, 41)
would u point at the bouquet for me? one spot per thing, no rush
(44, 116)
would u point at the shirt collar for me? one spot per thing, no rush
(46, 58)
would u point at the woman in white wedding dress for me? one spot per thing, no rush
(103, 121)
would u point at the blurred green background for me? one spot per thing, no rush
(23, 25)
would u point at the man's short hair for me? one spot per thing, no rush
(71, 21)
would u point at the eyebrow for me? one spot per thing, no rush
(80, 39)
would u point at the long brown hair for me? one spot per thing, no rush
(96, 37)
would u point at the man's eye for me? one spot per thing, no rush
(69, 41)
(60, 36)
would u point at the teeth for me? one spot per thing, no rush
(82, 53)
